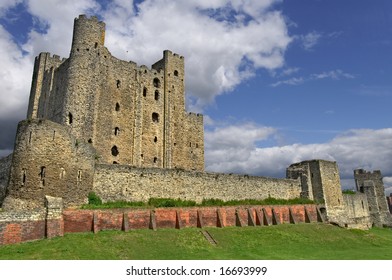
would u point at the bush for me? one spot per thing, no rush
(170, 202)
(212, 202)
(94, 199)
(348, 192)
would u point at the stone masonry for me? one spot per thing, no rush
(130, 114)
(371, 184)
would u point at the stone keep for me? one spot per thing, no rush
(131, 115)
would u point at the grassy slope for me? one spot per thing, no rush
(304, 241)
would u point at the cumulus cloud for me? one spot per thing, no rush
(15, 70)
(360, 148)
(51, 32)
(223, 42)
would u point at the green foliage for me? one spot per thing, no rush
(94, 199)
(267, 201)
(115, 204)
(348, 192)
(170, 202)
(212, 202)
(96, 203)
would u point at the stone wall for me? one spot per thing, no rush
(371, 184)
(5, 167)
(356, 211)
(119, 182)
(48, 161)
(389, 202)
(320, 180)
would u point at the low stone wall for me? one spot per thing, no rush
(122, 182)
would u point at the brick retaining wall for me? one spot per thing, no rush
(41, 224)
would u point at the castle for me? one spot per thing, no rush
(97, 123)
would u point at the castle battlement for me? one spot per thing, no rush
(364, 173)
(92, 19)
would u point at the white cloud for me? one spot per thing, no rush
(15, 78)
(223, 41)
(290, 71)
(334, 74)
(292, 81)
(361, 148)
(57, 17)
(310, 40)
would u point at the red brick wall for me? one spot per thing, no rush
(113, 219)
(82, 220)
(21, 231)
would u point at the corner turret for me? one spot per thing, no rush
(88, 33)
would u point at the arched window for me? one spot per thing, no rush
(145, 92)
(42, 173)
(79, 175)
(117, 107)
(156, 82)
(155, 159)
(62, 173)
(155, 139)
(156, 95)
(115, 151)
(155, 117)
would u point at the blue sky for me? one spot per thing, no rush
(278, 81)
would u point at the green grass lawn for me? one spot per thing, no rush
(287, 242)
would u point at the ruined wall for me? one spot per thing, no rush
(119, 182)
(320, 180)
(5, 167)
(356, 211)
(371, 184)
(47, 160)
(301, 171)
